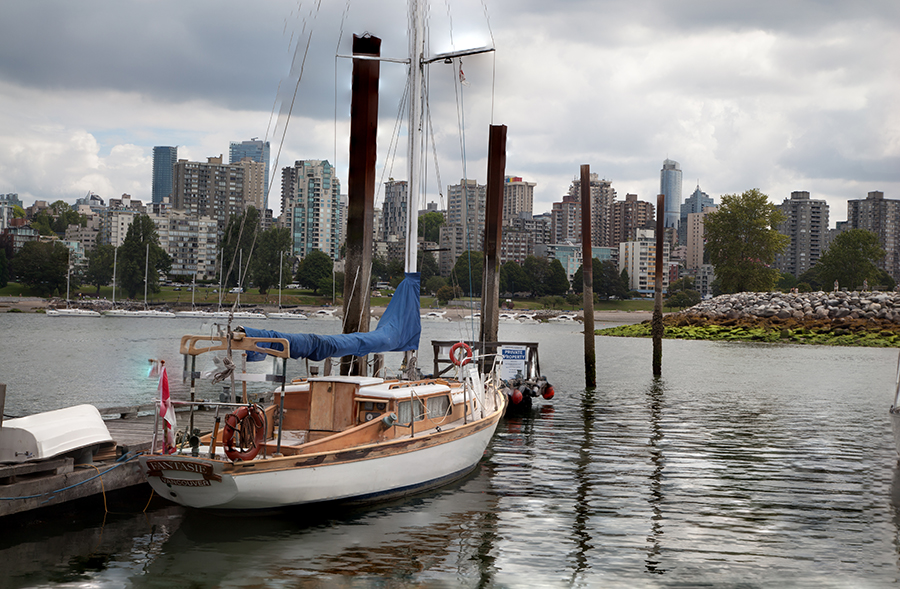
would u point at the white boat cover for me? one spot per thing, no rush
(52, 433)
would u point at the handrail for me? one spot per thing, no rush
(190, 344)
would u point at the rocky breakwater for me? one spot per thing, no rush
(853, 311)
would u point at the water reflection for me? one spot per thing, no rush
(655, 401)
(581, 529)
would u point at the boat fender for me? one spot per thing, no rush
(259, 438)
(456, 359)
(548, 392)
(516, 396)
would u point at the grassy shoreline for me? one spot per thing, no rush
(822, 333)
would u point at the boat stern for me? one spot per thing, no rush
(194, 482)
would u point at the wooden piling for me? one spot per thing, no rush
(361, 193)
(587, 269)
(656, 325)
(490, 287)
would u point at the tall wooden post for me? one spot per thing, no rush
(656, 325)
(490, 286)
(361, 193)
(587, 269)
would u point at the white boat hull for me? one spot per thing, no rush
(52, 433)
(361, 474)
(72, 313)
(895, 426)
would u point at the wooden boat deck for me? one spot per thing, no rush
(33, 485)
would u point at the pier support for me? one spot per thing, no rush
(656, 325)
(490, 287)
(361, 194)
(587, 270)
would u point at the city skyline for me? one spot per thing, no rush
(770, 97)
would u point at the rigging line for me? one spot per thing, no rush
(460, 114)
(296, 89)
(394, 143)
(437, 169)
(336, 51)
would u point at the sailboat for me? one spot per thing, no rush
(337, 438)
(195, 312)
(71, 311)
(281, 313)
(114, 312)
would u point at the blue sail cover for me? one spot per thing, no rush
(398, 331)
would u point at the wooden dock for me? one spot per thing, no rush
(33, 485)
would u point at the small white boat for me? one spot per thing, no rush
(324, 314)
(248, 315)
(72, 312)
(508, 318)
(565, 318)
(78, 431)
(286, 315)
(198, 314)
(155, 313)
(435, 316)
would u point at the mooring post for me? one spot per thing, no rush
(587, 270)
(361, 193)
(656, 324)
(493, 221)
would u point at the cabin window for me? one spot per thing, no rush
(438, 407)
(409, 411)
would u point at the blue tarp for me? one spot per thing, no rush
(398, 331)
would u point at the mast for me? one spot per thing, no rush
(115, 260)
(146, 268)
(280, 268)
(416, 91)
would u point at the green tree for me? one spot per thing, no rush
(683, 298)
(786, 282)
(850, 259)
(4, 269)
(100, 266)
(686, 283)
(133, 264)
(811, 279)
(468, 273)
(314, 268)
(272, 251)
(513, 278)
(434, 284)
(430, 226)
(428, 266)
(608, 281)
(537, 270)
(42, 266)
(238, 246)
(18, 212)
(445, 294)
(626, 281)
(43, 223)
(742, 241)
(557, 281)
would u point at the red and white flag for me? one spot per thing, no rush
(166, 410)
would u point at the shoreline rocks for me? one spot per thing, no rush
(848, 310)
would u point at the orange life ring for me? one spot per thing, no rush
(259, 435)
(466, 359)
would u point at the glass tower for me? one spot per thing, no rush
(670, 185)
(164, 159)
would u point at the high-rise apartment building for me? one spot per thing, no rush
(565, 220)
(602, 197)
(190, 240)
(311, 207)
(626, 217)
(518, 197)
(164, 159)
(881, 216)
(806, 223)
(670, 186)
(463, 229)
(697, 202)
(217, 190)
(639, 259)
(694, 241)
(394, 212)
(257, 151)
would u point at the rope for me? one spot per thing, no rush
(52, 494)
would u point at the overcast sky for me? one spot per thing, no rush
(775, 95)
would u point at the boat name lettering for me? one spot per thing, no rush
(155, 468)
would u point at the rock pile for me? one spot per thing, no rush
(877, 307)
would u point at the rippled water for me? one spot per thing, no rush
(745, 465)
